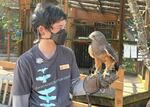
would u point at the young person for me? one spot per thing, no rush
(47, 74)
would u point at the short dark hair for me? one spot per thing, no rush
(46, 14)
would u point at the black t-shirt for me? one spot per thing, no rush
(48, 81)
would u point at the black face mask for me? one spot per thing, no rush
(60, 37)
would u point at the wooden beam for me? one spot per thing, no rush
(100, 6)
(95, 8)
(78, 104)
(7, 65)
(82, 6)
(140, 2)
(108, 11)
(94, 16)
(86, 1)
(115, 12)
(66, 6)
(88, 8)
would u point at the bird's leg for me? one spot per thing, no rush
(109, 62)
(98, 65)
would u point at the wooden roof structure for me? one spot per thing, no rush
(104, 6)
(101, 6)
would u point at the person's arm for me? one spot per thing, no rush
(21, 83)
(78, 88)
(21, 100)
(77, 84)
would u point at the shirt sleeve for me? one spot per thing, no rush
(75, 75)
(22, 78)
(78, 88)
(21, 100)
(74, 70)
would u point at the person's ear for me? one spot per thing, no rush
(41, 30)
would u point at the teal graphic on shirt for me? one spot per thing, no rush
(48, 105)
(47, 91)
(43, 78)
(46, 97)
(42, 70)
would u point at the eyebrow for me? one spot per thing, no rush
(59, 26)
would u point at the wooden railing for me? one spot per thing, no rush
(6, 78)
(7, 65)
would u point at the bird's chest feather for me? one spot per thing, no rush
(97, 49)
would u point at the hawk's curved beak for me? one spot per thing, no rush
(89, 40)
(90, 37)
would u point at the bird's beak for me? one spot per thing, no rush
(90, 37)
(90, 41)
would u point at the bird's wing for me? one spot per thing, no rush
(111, 52)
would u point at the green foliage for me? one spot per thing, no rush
(130, 27)
(9, 24)
(129, 65)
(9, 19)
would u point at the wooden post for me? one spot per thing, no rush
(147, 16)
(69, 26)
(24, 20)
(147, 79)
(118, 86)
(122, 4)
(66, 6)
(8, 45)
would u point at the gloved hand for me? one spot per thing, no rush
(109, 78)
(94, 83)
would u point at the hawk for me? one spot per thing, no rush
(102, 53)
